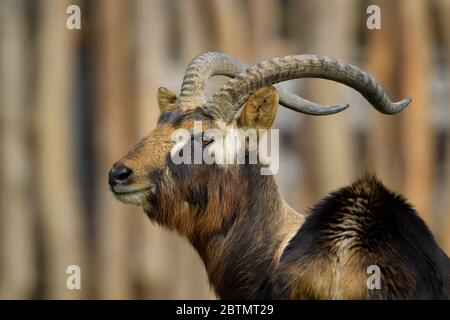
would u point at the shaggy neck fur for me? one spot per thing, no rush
(238, 223)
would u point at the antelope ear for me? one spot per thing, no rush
(260, 110)
(166, 100)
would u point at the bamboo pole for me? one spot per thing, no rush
(264, 24)
(231, 26)
(194, 39)
(17, 260)
(418, 152)
(61, 211)
(113, 130)
(443, 8)
(384, 155)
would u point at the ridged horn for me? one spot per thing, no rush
(232, 95)
(210, 64)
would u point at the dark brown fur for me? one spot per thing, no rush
(358, 226)
(254, 246)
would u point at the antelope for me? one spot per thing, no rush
(252, 243)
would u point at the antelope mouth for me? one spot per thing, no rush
(132, 196)
(130, 191)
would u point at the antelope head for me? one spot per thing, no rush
(196, 199)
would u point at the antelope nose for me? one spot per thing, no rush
(120, 174)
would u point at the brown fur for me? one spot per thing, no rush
(255, 246)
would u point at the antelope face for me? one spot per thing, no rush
(148, 175)
(139, 177)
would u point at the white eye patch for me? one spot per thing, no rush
(223, 145)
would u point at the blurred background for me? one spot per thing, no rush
(72, 102)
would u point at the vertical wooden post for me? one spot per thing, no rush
(264, 25)
(232, 30)
(113, 126)
(443, 8)
(60, 211)
(17, 245)
(418, 154)
(382, 52)
(193, 39)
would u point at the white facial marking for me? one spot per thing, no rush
(226, 144)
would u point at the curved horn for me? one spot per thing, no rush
(210, 64)
(231, 96)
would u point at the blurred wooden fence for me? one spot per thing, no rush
(72, 102)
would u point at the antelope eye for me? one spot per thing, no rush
(206, 140)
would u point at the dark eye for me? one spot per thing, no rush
(206, 139)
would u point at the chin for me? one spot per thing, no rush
(138, 198)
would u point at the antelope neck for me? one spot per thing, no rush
(242, 255)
